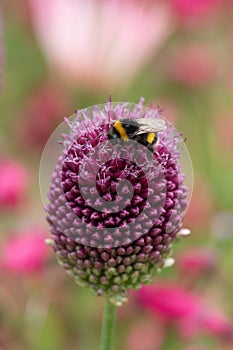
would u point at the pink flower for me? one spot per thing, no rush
(25, 253)
(169, 301)
(13, 183)
(100, 43)
(45, 108)
(216, 323)
(191, 8)
(191, 314)
(193, 65)
(198, 261)
(210, 320)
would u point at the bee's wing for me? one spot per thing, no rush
(147, 125)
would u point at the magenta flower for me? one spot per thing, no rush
(170, 302)
(192, 315)
(13, 184)
(114, 209)
(217, 323)
(25, 253)
(102, 44)
(198, 261)
(192, 8)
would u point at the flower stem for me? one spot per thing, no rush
(108, 326)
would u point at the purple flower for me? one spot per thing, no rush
(114, 206)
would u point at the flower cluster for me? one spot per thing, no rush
(113, 210)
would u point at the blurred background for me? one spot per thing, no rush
(57, 56)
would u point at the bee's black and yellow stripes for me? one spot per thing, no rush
(150, 137)
(121, 130)
(130, 130)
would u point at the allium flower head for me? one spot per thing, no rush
(114, 206)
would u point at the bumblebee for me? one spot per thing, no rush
(143, 130)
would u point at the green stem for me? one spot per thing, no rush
(108, 326)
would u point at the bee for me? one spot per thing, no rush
(143, 130)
